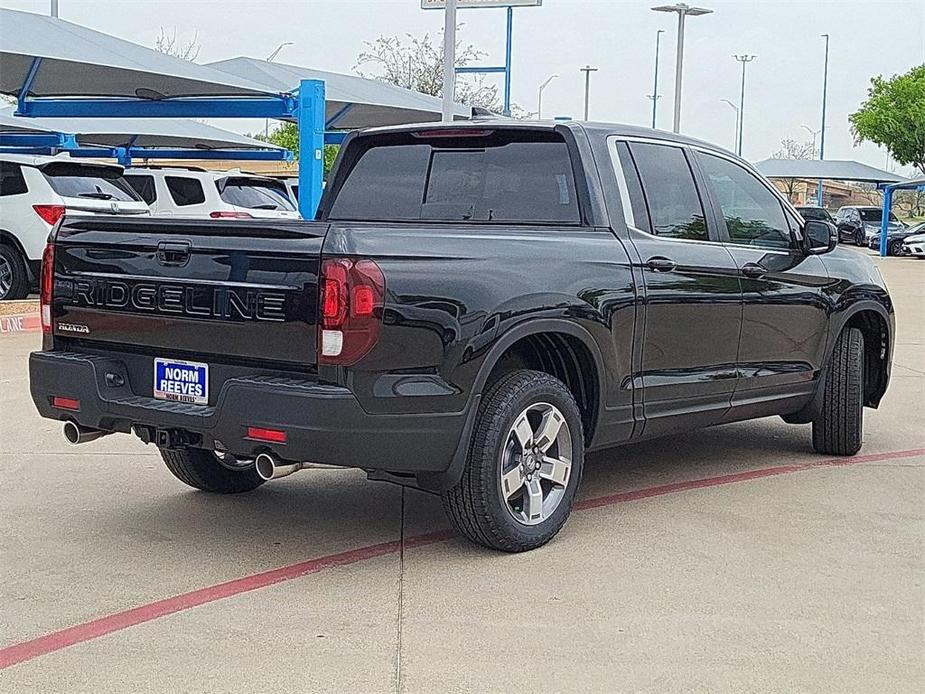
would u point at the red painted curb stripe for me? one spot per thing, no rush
(20, 323)
(80, 633)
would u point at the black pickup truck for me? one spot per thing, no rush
(475, 306)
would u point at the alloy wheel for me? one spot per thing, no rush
(6, 277)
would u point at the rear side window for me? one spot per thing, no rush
(71, 180)
(671, 196)
(184, 190)
(254, 194)
(11, 179)
(753, 215)
(498, 177)
(143, 185)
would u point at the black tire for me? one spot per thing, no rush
(859, 237)
(895, 248)
(476, 506)
(200, 469)
(14, 278)
(838, 428)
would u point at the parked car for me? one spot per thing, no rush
(476, 306)
(894, 239)
(35, 192)
(195, 192)
(819, 213)
(292, 186)
(914, 243)
(858, 224)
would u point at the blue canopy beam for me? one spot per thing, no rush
(281, 107)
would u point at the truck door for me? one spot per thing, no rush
(693, 299)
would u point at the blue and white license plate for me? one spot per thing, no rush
(181, 381)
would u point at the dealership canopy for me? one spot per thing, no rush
(134, 132)
(352, 102)
(829, 169)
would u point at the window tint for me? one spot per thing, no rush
(875, 215)
(11, 179)
(254, 194)
(496, 178)
(753, 215)
(668, 184)
(143, 185)
(87, 181)
(184, 190)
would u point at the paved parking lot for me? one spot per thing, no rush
(731, 559)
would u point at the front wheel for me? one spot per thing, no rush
(838, 428)
(859, 237)
(524, 466)
(208, 472)
(895, 248)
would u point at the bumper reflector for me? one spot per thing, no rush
(65, 403)
(270, 435)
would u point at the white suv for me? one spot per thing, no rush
(35, 192)
(193, 192)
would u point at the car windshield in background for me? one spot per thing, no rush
(489, 177)
(875, 216)
(254, 194)
(814, 213)
(92, 182)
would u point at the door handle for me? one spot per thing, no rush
(753, 270)
(173, 253)
(660, 264)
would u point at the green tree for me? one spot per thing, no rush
(894, 116)
(287, 135)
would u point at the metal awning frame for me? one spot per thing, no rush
(911, 184)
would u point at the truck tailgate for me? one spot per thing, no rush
(222, 291)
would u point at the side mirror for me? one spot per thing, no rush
(819, 237)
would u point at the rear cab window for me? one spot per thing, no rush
(254, 193)
(70, 180)
(477, 176)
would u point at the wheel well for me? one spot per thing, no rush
(7, 239)
(564, 357)
(876, 348)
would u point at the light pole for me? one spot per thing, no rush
(655, 96)
(825, 88)
(266, 121)
(587, 69)
(813, 133)
(54, 8)
(449, 60)
(683, 11)
(745, 59)
(735, 137)
(539, 101)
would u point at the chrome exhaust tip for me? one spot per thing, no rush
(76, 434)
(269, 467)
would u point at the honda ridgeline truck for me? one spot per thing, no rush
(475, 307)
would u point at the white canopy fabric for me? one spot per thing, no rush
(77, 61)
(371, 102)
(829, 169)
(139, 132)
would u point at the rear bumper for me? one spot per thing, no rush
(323, 423)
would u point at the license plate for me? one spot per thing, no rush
(181, 381)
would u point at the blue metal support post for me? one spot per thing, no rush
(311, 146)
(885, 221)
(507, 62)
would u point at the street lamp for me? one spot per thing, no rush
(813, 133)
(655, 95)
(587, 69)
(745, 59)
(266, 121)
(825, 86)
(539, 101)
(683, 11)
(735, 108)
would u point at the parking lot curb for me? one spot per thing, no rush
(20, 323)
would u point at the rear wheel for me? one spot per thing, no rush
(859, 237)
(896, 247)
(14, 279)
(838, 428)
(207, 471)
(524, 465)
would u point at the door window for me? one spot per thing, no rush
(753, 215)
(185, 191)
(143, 185)
(11, 179)
(671, 196)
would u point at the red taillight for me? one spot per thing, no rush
(65, 403)
(269, 435)
(46, 288)
(50, 214)
(230, 215)
(352, 296)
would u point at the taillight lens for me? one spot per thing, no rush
(230, 215)
(50, 214)
(352, 297)
(46, 288)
